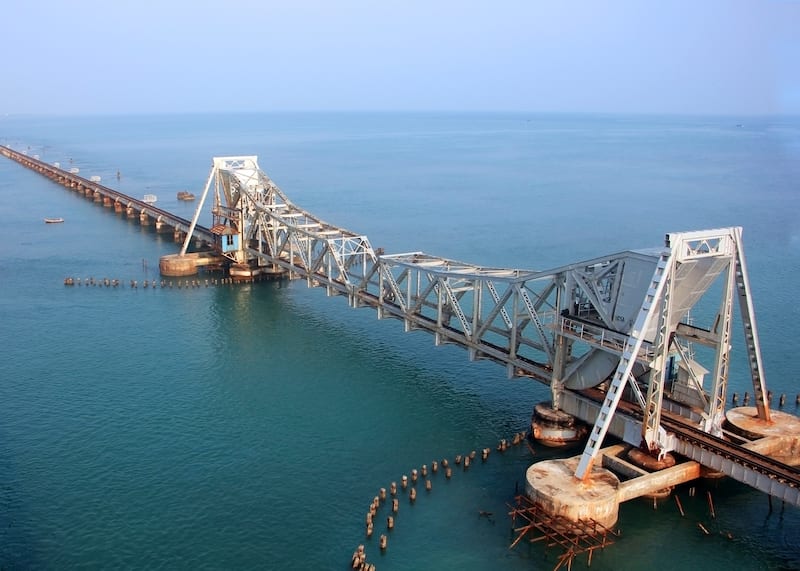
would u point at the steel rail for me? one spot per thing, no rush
(755, 461)
(789, 475)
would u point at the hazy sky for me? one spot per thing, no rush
(673, 56)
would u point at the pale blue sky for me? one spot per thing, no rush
(676, 56)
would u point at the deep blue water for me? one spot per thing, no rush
(251, 426)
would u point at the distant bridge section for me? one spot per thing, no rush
(146, 212)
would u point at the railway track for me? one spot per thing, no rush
(731, 451)
(783, 473)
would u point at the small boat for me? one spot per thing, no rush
(185, 195)
(150, 198)
(53, 220)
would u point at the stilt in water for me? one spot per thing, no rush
(711, 505)
(680, 507)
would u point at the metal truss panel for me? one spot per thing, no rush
(567, 326)
(626, 362)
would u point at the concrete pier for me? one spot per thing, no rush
(744, 420)
(779, 438)
(552, 485)
(176, 265)
(556, 428)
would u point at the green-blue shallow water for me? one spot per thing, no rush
(250, 426)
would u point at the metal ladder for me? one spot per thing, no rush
(751, 333)
(631, 349)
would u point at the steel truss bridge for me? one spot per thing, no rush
(618, 338)
(620, 323)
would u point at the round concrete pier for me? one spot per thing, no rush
(175, 265)
(243, 272)
(645, 461)
(555, 428)
(744, 420)
(779, 439)
(552, 485)
(650, 463)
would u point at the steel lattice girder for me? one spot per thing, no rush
(606, 308)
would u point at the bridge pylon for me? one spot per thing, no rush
(689, 265)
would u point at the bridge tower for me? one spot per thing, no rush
(262, 232)
(234, 183)
(689, 265)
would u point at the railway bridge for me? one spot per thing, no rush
(146, 212)
(636, 343)
(621, 329)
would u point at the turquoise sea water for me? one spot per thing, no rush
(251, 426)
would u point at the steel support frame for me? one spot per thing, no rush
(514, 317)
(651, 424)
(684, 247)
(633, 344)
(752, 342)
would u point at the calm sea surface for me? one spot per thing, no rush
(251, 426)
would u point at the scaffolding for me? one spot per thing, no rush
(573, 537)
